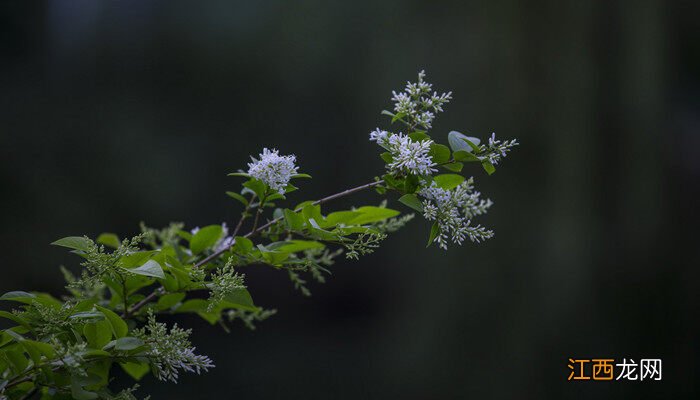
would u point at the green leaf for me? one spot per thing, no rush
(136, 282)
(119, 327)
(18, 362)
(136, 259)
(393, 182)
(4, 339)
(454, 166)
(33, 352)
(169, 300)
(15, 318)
(276, 196)
(312, 211)
(293, 246)
(239, 298)
(448, 181)
(128, 343)
(181, 277)
(29, 298)
(192, 305)
(341, 217)
(238, 197)
(15, 335)
(109, 240)
(243, 174)
(78, 393)
(387, 157)
(242, 245)
(47, 300)
(373, 214)
(74, 242)
(205, 238)
(43, 348)
(98, 334)
(135, 370)
(297, 176)
(466, 156)
(434, 230)
(321, 234)
(185, 235)
(273, 257)
(488, 167)
(459, 142)
(418, 136)
(398, 117)
(293, 220)
(199, 306)
(150, 268)
(19, 296)
(257, 186)
(412, 201)
(411, 184)
(439, 153)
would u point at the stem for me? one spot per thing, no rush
(257, 217)
(124, 295)
(326, 199)
(244, 215)
(254, 231)
(143, 302)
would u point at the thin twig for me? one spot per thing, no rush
(253, 232)
(257, 218)
(326, 199)
(244, 215)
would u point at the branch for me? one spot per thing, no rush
(253, 232)
(243, 216)
(257, 230)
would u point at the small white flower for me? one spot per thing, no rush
(425, 119)
(272, 169)
(413, 157)
(379, 136)
(453, 210)
(408, 155)
(403, 103)
(496, 150)
(416, 102)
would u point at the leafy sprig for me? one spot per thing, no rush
(68, 347)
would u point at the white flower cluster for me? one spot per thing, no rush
(495, 150)
(272, 169)
(453, 211)
(171, 351)
(417, 105)
(408, 155)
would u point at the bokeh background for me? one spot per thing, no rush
(119, 112)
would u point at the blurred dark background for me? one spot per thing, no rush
(119, 112)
